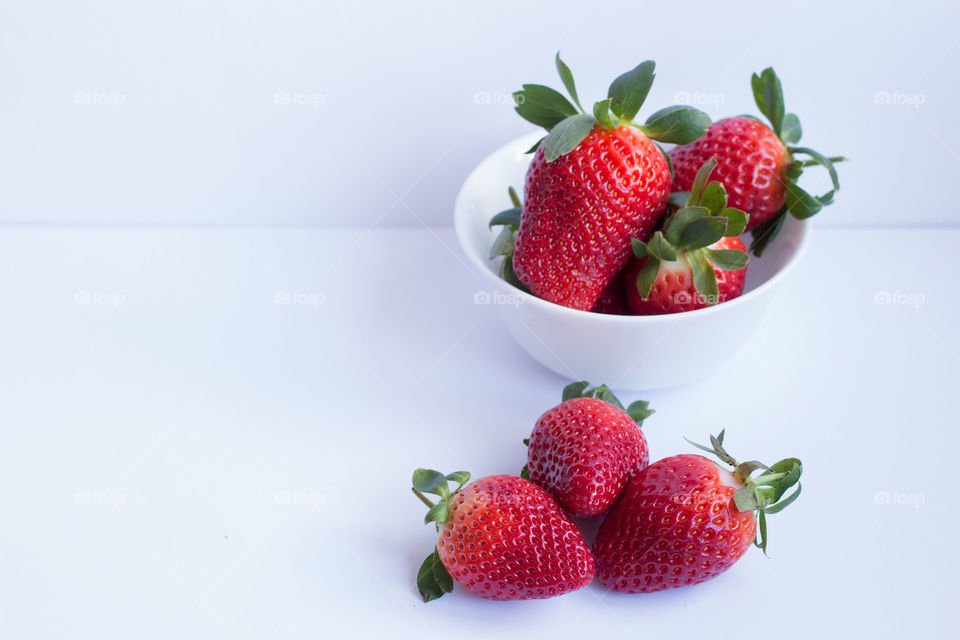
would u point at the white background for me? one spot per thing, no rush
(183, 125)
(209, 432)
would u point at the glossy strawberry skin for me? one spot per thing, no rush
(751, 161)
(675, 525)
(673, 290)
(580, 211)
(584, 451)
(508, 539)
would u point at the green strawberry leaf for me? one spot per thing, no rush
(679, 199)
(786, 502)
(639, 248)
(601, 111)
(704, 277)
(700, 180)
(535, 146)
(714, 198)
(736, 221)
(790, 130)
(801, 204)
(438, 513)
(514, 198)
(659, 248)
(678, 222)
(702, 232)
(761, 540)
(566, 135)
(535, 112)
(728, 259)
(509, 275)
(525, 472)
(768, 94)
(793, 468)
(646, 276)
(460, 477)
(794, 170)
(826, 163)
(640, 410)
(504, 243)
(430, 481)
(566, 76)
(433, 580)
(604, 393)
(507, 217)
(575, 390)
(764, 233)
(679, 124)
(745, 498)
(548, 99)
(630, 89)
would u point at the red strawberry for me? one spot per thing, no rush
(697, 259)
(673, 289)
(752, 165)
(584, 450)
(596, 181)
(582, 209)
(684, 520)
(613, 298)
(501, 537)
(756, 163)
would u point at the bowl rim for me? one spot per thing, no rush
(460, 227)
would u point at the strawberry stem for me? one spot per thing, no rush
(424, 499)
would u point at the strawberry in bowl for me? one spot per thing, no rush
(573, 256)
(596, 181)
(697, 260)
(757, 163)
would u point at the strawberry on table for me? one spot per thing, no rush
(684, 519)
(696, 261)
(501, 537)
(757, 163)
(596, 181)
(584, 450)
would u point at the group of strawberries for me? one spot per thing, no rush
(676, 522)
(613, 223)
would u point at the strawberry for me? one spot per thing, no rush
(613, 298)
(596, 181)
(684, 520)
(756, 163)
(584, 450)
(697, 259)
(501, 537)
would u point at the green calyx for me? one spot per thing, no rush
(763, 493)
(433, 580)
(701, 219)
(768, 94)
(506, 240)
(639, 410)
(567, 123)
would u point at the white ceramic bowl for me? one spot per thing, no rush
(624, 352)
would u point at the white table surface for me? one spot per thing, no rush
(183, 457)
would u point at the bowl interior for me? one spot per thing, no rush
(485, 193)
